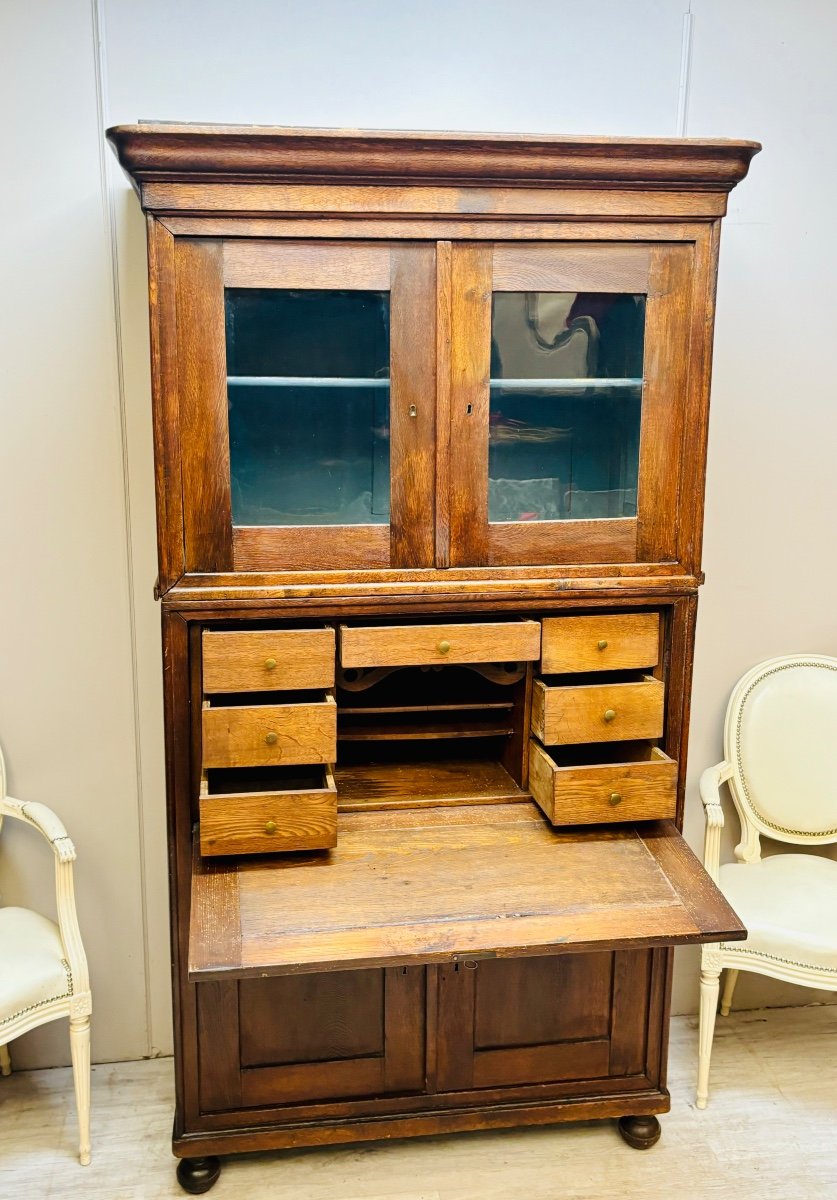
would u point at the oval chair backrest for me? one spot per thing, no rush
(781, 740)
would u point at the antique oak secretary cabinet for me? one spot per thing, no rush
(430, 423)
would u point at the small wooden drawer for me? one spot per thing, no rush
(264, 735)
(426, 645)
(637, 783)
(266, 811)
(598, 712)
(260, 660)
(608, 643)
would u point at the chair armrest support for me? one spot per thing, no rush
(710, 784)
(45, 821)
(51, 827)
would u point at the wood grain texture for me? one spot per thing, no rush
(417, 784)
(413, 406)
(310, 547)
(591, 267)
(426, 645)
(584, 795)
(411, 200)
(259, 660)
(574, 644)
(470, 368)
(249, 152)
(323, 1018)
(629, 1017)
(662, 217)
(162, 292)
(444, 302)
(666, 371)
(218, 1045)
(202, 394)
(401, 893)
(270, 822)
(270, 734)
(303, 265)
(608, 540)
(576, 714)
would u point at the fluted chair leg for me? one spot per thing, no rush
(709, 988)
(5, 1061)
(80, 1051)
(730, 980)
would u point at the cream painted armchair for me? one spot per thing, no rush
(780, 748)
(43, 968)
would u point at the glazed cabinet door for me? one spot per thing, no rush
(568, 395)
(295, 1039)
(306, 388)
(512, 1022)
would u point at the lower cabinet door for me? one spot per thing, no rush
(509, 1022)
(298, 1038)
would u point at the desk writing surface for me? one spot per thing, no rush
(436, 885)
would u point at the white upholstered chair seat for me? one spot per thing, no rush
(788, 904)
(34, 970)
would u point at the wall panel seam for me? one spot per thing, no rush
(109, 221)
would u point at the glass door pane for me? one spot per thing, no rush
(565, 405)
(309, 406)
(569, 377)
(307, 402)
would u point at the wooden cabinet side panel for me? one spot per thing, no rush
(202, 392)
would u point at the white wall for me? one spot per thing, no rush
(80, 711)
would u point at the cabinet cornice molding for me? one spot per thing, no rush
(186, 153)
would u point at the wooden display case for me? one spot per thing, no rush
(430, 423)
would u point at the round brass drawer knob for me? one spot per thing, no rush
(270, 664)
(603, 643)
(271, 827)
(610, 714)
(271, 738)
(444, 647)
(615, 798)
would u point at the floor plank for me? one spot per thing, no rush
(770, 1132)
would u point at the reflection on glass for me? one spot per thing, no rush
(566, 398)
(308, 391)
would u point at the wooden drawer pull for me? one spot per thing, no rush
(270, 664)
(271, 827)
(603, 643)
(444, 647)
(615, 798)
(610, 715)
(271, 738)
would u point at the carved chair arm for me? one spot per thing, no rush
(51, 827)
(45, 821)
(710, 784)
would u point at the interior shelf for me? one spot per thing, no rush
(435, 783)
(408, 731)
(306, 381)
(560, 385)
(363, 709)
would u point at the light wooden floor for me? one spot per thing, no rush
(770, 1132)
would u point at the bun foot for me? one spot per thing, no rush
(640, 1132)
(197, 1175)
